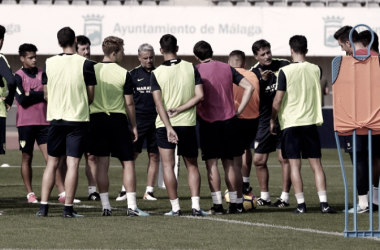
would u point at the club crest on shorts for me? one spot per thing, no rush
(256, 144)
(93, 28)
(22, 143)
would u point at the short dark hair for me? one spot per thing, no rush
(112, 44)
(66, 37)
(343, 34)
(203, 50)
(256, 46)
(2, 31)
(83, 40)
(26, 47)
(298, 44)
(168, 43)
(365, 38)
(238, 53)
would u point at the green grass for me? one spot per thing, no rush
(264, 228)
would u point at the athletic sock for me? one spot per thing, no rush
(285, 197)
(322, 196)
(43, 202)
(265, 196)
(131, 197)
(28, 195)
(375, 195)
(175, 205)
(63, 194)
(122, 188)
(246, 179)
(195, 202)
(216, 197)
(233, 196)
(363, 201)
(239, 200)
(300, 198)
(69, 208)
(91, 189)
(105, 201)
(149, 189)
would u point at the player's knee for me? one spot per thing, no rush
(154, 157)
(259, 162)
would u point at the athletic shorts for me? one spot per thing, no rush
(67, 140)
(362, 144)
(246, 130)
(217, 139)
(301, 140)
(2, 135)
(28, 135)
(265, 142)
(110, 135)
(146, 131)
(187, 140)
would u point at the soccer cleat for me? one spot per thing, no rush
(62, 199)
(94, 197)
(136, 212)
(246, 188)
(32, 198)
(217, 210)
(171, 213)
(122, 196)
(326, 209)
(262, 202)
(280, 203)
(43, 212)
(107, 212)
(149, 196)
(72, 214)
(199, 212)
(301, 209)
(359, 210)
(234, 209)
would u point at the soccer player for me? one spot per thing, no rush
(177, 87)
(217, 126)
(112, 107)
(266, 70)
(83, 49)
(298, 106)
(146, 115)
(247, 122)
(31, 114)
(6, 100)
(361, 42)
(69, 81)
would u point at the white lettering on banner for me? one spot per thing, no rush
(150, 29)
(237, 29)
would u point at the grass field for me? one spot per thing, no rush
(263, 228)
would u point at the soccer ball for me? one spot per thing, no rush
(249, 202)
(227, 196)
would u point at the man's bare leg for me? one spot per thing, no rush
(260, 161)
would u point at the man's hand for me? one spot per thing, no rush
(172, 112)
(6, 105)
(172, 135)
(26, 93)
(265, 74)
(134, 134)
(272, 127)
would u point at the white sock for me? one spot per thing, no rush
(285, 197)
(363, 201)
(63, 194)
(233, 196)
(44, 202)
(216, 197)
(91, 189)
(131, 197)
(375, 193)
(175, 205)
(245, 179)
(322, 196)
(300, 198)
(123, 188)
(195, 202)
(239, 200)
(28, 195)
(105, 201)
(149, 189)
(265, 196)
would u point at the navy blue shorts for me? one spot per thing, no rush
(187, 140)
(246, 130)
(265, 142)
(217, 139)
(110, 135)
(362, 144)
(2, 135)
(302, 140)
(67, 140)
(27, 135)
(146, 131)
